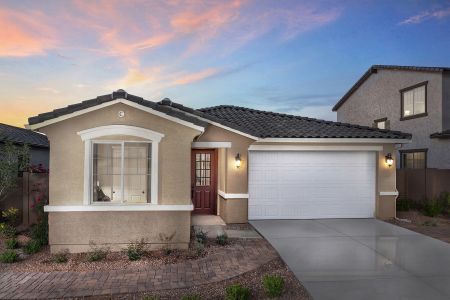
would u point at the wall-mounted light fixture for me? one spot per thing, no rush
(238, 160)
(389, 160)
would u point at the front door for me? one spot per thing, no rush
(204, 181)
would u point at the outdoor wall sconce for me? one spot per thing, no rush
(389, 160)
(238, 160)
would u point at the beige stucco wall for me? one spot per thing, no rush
(67, 153)
(234, 210)
(75, 230)
(379, 97)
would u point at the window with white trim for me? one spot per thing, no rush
(121, 172)
(414, 101)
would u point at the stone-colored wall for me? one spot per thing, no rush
(233, 210)
(379, 96)
(75, 230)
(67, 153)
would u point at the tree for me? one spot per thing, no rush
(12, 160)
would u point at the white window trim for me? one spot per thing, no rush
(89, 134)
(119, 207)
(232, 196)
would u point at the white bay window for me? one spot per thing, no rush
(120, 171)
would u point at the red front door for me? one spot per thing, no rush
(204, 181)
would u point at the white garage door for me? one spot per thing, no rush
(311, 185)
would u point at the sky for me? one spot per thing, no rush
(296, 57)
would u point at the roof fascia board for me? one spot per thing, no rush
(335, 140)
(109, 103)
(315, 148)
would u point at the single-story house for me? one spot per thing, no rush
(125, 168)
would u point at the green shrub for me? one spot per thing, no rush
(273, 285)
(61, 257)
(201, 236)
(136, 249)
(403, 205)
(39, 233)
(11, 215)
(222, 239)
(8, 257)
(11, 243)
(190, 297)
(32, 246)
(97, 253)
(7, 230)
(433, 208)
(237, 292)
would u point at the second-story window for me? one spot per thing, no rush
(414, 101)
(381, 123)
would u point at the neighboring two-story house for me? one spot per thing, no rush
(409, 99)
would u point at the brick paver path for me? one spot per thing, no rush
(228, 262)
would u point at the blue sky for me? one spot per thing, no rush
(297, 57)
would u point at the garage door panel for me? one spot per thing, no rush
(304, 185)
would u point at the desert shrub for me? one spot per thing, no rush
(11, 243)
(222, 239)
(273, 285)
(136, 249)
(237, 292)
(190, 297)
(11, 215)
(7, 230)
(8, 256)
(96, 253)
(404, 205)
(39, 232)
(433, 208)
(32, 246)
(61, 257)
(201, 236)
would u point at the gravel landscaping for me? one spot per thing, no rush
(43, 262)
(436, 227)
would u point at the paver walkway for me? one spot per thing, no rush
(229, 262)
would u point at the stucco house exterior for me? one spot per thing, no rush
(125, 168)
(409, 99)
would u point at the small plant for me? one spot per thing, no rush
(11, 215)
(39, 233)
(150, 297)
(237, 292)
(7, 230)
(201, 236)
(97, 253)
(32, 246)
(273, 285)
(430, 223)
(8, 257)
(166, 239)
(61, 257)
(136, 249)
(433, 208)
(222, 239)
(190, 297)
(11, 243)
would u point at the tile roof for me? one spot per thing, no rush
(375, 68)
(260, 124)
(18, 135)
(119, 94)
(264, 124)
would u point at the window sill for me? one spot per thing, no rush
(118, 207)
(414, 116)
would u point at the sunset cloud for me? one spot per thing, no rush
(23, 33)
(196, 76)
(426, 15)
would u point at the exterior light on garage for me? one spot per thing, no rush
(238, 160)
(389, 159)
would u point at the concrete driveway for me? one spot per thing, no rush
(361, 258)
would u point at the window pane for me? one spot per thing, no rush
(136, 170)
(419, 160)
(381, 125)
(103, 164)
(414, 160)
(419, 100)
(408, 103)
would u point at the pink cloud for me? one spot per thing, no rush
(426, 15)
(195, 76)
(24, 33)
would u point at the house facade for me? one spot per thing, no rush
(409, 99)
(125, 168)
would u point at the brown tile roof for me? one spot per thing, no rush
(18, 135)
